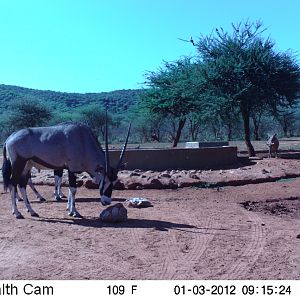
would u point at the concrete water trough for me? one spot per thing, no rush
(205, 144)
(177, 158)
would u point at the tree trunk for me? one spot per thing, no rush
(246, 121)
(285, 128)
(193, 129)
(256, 123)
(178, 132)
(229, 132)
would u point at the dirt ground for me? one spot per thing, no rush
(251, 231)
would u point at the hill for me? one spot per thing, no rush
(119, 100)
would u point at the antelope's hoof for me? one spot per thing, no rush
(34, 214)
(58, 198)
(76, 214)
(19, 217)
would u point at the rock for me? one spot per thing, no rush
(156, 183)
(194, 176)
(134, 174)
(165, 175)
(149, 172)
(172, 184)
(89, 184)
(133, 186)
(79, 183)
(114, 213)
(119, 185)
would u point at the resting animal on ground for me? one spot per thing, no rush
(70, 146)
(273, 144)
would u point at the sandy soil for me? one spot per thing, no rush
(232, 232)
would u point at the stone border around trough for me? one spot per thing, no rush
(243, 173)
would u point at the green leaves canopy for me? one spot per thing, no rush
(245, 70)
(173, 89)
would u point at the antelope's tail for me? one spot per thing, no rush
(6, 170)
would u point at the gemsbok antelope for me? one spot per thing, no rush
(273, 145)
(69, 145)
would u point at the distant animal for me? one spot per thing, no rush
(70, 146)
(154, 137)
(273, 145)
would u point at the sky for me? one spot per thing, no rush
(104, 45)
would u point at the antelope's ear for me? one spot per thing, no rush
(99, 168)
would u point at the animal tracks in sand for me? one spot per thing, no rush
(251, 251)
(176, 252)
(173, 251)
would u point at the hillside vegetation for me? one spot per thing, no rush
(119, 101)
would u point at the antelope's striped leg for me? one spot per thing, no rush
(71, 198)
(27, 203)
(15, 210)
(37, 194)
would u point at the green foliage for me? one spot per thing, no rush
(173, 92)
(118, 101)
(244, 71)
(67, 107)
(27, 113)
(148, 126)
(94, 117)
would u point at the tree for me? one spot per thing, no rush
(94, 117)
(245, 69)
(147, 124)
(28, 113)
(257, 118)
(287, 120)
(172, 93)
(194, 125)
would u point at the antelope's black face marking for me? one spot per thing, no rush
(106, 186)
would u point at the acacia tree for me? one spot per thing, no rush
(94, 117)
(287, 120)
(148, 125)
(171, 92)
(195, 121)
(28, 113)
(245, 69)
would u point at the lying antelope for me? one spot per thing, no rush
(70, 146)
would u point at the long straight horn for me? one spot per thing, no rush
(107, 164)
(124, 149)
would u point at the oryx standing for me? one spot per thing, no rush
(273, 144)
(70, 146)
